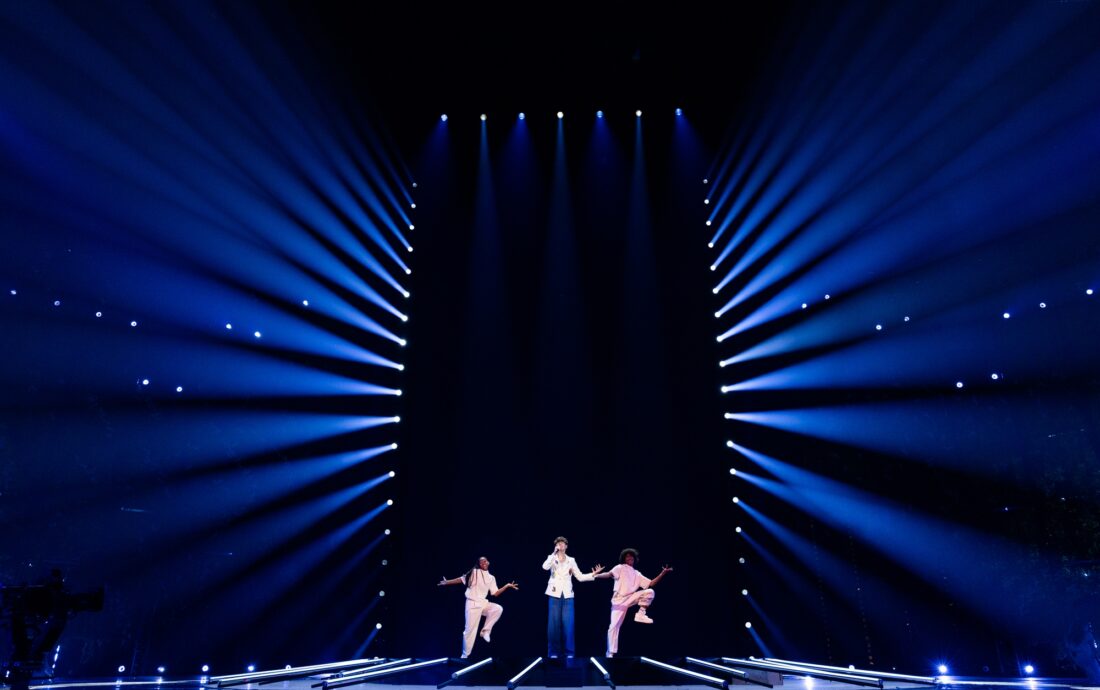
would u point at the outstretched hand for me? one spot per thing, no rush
(665, 569)
(512, 585)
(442, 582)
(597, 569)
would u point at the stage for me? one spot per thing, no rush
(539, 672)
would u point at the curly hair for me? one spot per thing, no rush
(625, 552)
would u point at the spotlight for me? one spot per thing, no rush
(1088, 292)
(1029, 669)
(410, 248)
(736, 500)
(729, 444)
(402, 341)
(408, 271)
(161, 669)
(958, 384)
(741, 560)
(412, 205)
(407, 294)
(57, 303)
(145, 382)
(99, 314)
(748, 624)
(679, 112)
(1042, 305)
(397, 419)
(387, 533)
(560, 114)
(599, 114)
(878, 326)
(377, 626)
(205, 668)
(251, 668)
(392, 474)
(715, 291)
(393, 446)
(706, 181)
(404, 317)
(638, 113)
(744, 592)
(412, 227)
(414, 185)
(483, 118)
(14, 292)
(737, 529)
(382, 593)
(733, 471)
(804, 305)
(121, 669)
(726, 389)
(257, 334)
(906, 319)
(728, 415)
(808, 682)
(398, 393)
(718, 315)
(708, 223)
(1006, 315)
(828, 296)
(443, 118)
(710, 244)
(706, 201)
(401, 367)
(389, 502)
(713, 267)
(996, 376)
(522, 116)
(305, 303)
(942, 668)
(179, 389)
(385, 562)
(228, 326)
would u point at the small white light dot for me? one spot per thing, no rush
(736, 499)
(996, 376)
(99, 315)
(483, 118)
(828, 296)
(205, 668)
(737, 529)
(57, 303)
(679, 112)
(401, 342)
(179, 389)
(748, 624)
(389, 501)
(741, 560)
(228, 326)
(412, 227)
(257, 334)
(715, 291)
(1088, 292)
(410, 248)
(733, 470)
(160, 669)
(729, 444)
(706, 201)
(413, 205)
(878, 326)
(599, 114)
(713, 267)
(708, 223)
(407, 294)
(13, 292)
(387, 533)
(1042, 305)
(385, 562)
(1006, 315)
(382, 593)
(906, 319)
(958, 384)
(251, 668)
(378, 626)
(401, 367)
(744, 592)
(638, 113)
(560, 114)
(522, 116)
(133, 324)
(145, 382)
(443, 118)
(414, 185)
(804, 305)
(710, 244)
(404, 317)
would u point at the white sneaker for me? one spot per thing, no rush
(485, 635)
(640, 617)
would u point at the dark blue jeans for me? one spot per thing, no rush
(559, 629)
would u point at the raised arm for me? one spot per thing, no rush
(548, 562)
(510, 585)
(586, 577)
(657, 579)
(443, 582)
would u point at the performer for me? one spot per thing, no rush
(628, 582)
(479, 585)
(559, 626)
